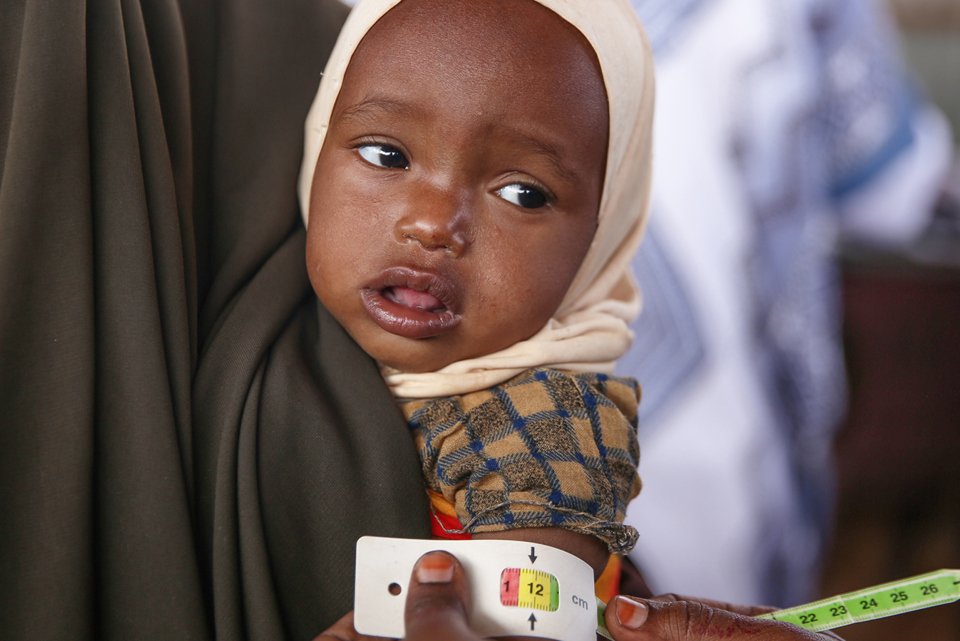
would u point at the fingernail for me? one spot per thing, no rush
(435, 568)
(631, 614)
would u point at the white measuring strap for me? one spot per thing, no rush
(516, 588)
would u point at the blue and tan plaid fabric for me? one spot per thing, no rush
(545, 449)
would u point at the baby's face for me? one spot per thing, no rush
(457, 190)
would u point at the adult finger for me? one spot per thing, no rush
(650, 620)
(438, 600)
(745, 610)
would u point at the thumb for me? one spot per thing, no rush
(437, 600)
(632, 619)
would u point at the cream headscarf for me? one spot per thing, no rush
(590, 330)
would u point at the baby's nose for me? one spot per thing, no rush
(437, 220)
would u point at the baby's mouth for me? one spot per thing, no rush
(412, 303)
(412, 298)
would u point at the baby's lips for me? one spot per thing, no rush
(404, 320)
(412, 303)
(417, 289)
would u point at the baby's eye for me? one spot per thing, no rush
(383, 156)
(523, 196)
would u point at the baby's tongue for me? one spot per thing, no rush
(413, 298)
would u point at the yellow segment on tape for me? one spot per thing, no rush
(538, 590)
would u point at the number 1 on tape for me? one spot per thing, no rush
(897, 597)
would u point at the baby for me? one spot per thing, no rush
(471, 220)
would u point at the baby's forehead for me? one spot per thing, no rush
(475, 37)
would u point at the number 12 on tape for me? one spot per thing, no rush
(524, 588)
(897, 597)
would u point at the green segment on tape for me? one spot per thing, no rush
(897, 597)
(601, 624)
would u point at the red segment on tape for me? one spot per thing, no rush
(510, 587)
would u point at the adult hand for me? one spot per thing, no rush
(673, 618)
(437, 605)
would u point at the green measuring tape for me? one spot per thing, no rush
(889, 599)
(896, 597)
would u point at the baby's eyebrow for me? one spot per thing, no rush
(549, 153)
(376, 106)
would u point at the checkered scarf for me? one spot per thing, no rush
(545, 449)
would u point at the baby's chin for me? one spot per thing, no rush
(433, 353)
(424, 355)
(421, 361)
(421, 356)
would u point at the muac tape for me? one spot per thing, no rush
(516, 588)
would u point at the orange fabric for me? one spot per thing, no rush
(443, 519)
(608, 585)
(441, 505)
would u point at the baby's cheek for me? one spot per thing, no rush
(321, 257)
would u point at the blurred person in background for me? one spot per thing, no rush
(782, 127)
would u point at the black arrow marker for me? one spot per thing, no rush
(532, 555)
(532, 620)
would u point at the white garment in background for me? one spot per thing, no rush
(780, 126)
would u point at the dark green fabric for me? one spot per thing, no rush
(189, 444)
